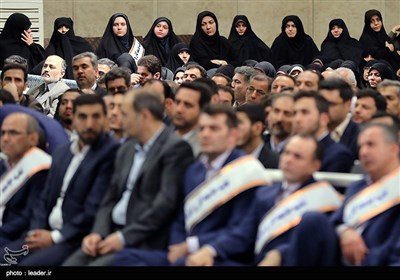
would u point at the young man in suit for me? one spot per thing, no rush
(251, 126)
(23, 172)
(269, 222)
(311, 115)
(78, 179)
(218, 187)
(143, 198)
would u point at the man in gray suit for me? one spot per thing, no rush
(48, 92)
(147, 185)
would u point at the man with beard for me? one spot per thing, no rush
(48, 92)
(250, 128)
(311, 115)
(64, 114)
(78, 178)
(190, 99)
(280, 121)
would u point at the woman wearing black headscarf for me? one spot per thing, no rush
(339, 45)
(375, 38)
(17, 39)
(179, 56)
(160, 39)
(117, 38)
(207, 47)
(293, 45)
(245, 43)
(65, 43)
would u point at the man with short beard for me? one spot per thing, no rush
(190, 99)
(47, 93)
(280, 121)
(64, 114)
(78, 178)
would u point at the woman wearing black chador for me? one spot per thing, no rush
(339, 45)
(293, 45)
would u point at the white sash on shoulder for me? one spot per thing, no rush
(239, 175)
(319, 196)
(34, 160)
(373, 200)
(137, 50)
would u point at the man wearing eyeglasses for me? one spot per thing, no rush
(259, 86)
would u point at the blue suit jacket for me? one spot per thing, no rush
(18, 210)
(336, 157)
(242, 238)
(349, 138)
(54, 132)
(380, 233)
(85, 190)
(222, 219)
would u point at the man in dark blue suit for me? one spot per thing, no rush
(268, 224)
(343, 130)
(251, 119)
(23, 172)
(218, 135)
(79, 176)
(365, 229)
(311, 116)
(139, 207)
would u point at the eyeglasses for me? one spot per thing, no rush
(258, 91)
(114, 90)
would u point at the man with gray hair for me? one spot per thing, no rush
(390, 89)
(86, 71)
(48, 92)
(240, 83)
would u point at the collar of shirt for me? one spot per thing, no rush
(146, 146)
(323, 135)
(288, 189)
(74, 148)
(339, 130)
(214, 166)
(187, 135)
(257, 151)
(277, 147)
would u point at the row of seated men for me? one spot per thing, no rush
(146, 200)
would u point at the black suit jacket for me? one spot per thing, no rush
(156, 194)
(268, 158)
(349, 138)
(85, 190)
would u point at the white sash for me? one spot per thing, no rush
(137, 50)
(34, 160)
(239, 175)
(373, 200)
(319, 196)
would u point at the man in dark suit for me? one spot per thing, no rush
(79, 177)
(251, 126)
(86, 72)
(143, 199)
(311, 116)
(269, 223)
(219, 161)
(23, 173)
(343, 130)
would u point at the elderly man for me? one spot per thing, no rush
(47, 93)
